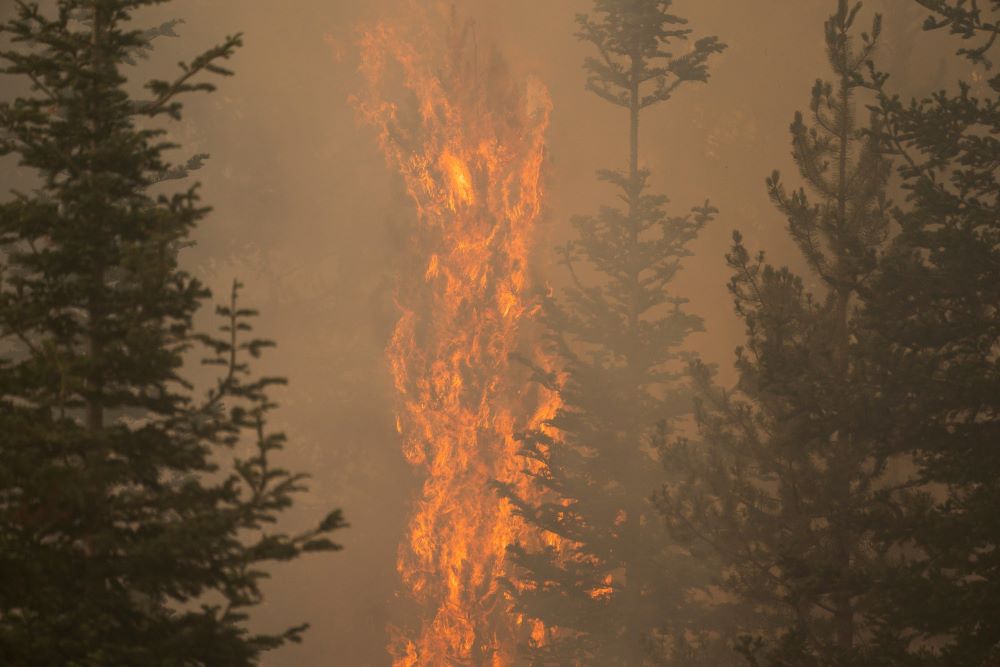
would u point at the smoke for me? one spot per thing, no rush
(308, 215)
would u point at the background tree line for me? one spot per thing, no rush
(837, 506)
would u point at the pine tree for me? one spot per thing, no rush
(792, 481)
(133, 513)
(936, 306)
(606, 594)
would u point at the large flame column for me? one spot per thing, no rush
(468, 142)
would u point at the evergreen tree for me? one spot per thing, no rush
(133, 514)
(791, 481)
(935, 303)
(606, 591)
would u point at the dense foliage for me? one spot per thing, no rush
(788, 480)
(937, 305)
(608, 591)
(134, 514)
(849, 481)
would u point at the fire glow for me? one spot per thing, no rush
(468, 141)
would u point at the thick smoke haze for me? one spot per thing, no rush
(308, 215)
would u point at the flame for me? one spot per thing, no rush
(468, 142)
(605, 591)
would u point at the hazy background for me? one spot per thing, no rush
(309, 217)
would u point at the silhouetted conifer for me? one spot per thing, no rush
(936, 305)
(609, 595)
(134, 516)
(793, 480)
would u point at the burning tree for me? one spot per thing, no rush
(467, 139)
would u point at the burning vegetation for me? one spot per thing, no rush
(468, 140)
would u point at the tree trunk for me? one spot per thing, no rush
(95, 347)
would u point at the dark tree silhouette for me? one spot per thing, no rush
(134, 515)
(936, 305)
(792, 480)
(609, 594)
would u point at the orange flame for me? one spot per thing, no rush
(469, 143)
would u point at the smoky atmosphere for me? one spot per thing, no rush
(552, 333)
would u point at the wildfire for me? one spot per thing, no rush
(468, 141)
